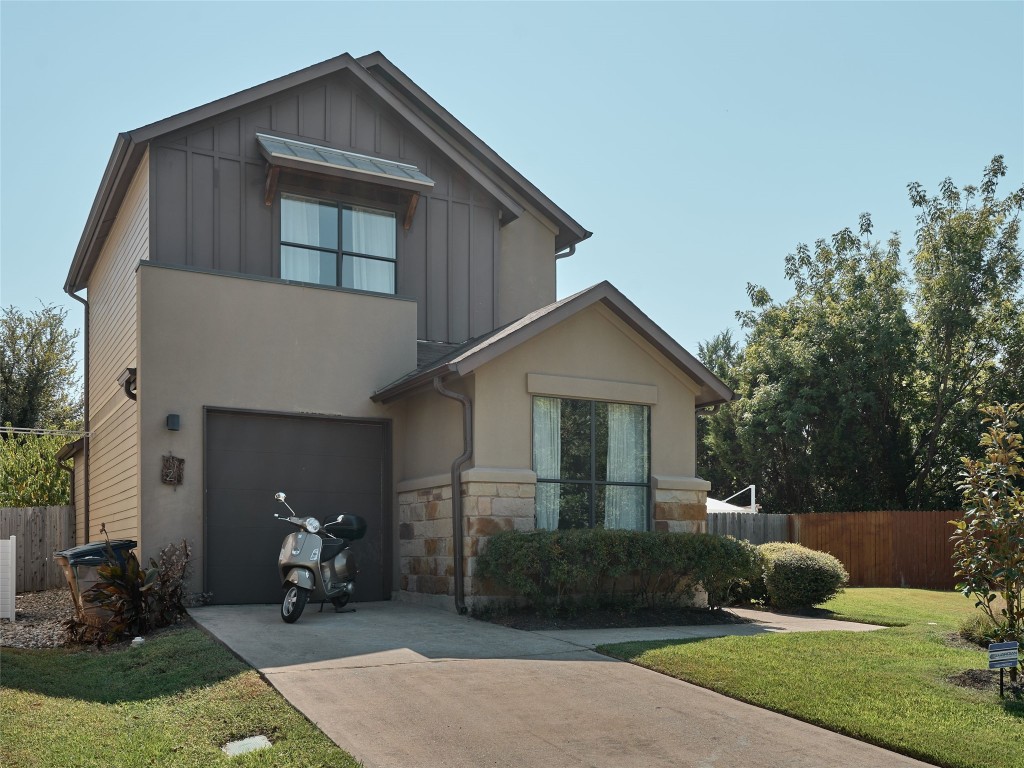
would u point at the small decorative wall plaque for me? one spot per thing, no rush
(173, 471)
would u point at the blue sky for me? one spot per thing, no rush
(699, 142)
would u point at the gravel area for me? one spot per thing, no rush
(39, 619)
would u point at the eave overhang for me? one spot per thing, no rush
(476, 352)
(570, 231)
(447, 135)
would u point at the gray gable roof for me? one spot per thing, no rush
(386, 81)
(467, 357)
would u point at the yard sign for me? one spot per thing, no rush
(1002, 656)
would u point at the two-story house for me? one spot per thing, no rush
(327, 285)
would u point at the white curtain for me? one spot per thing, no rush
(624, 506)
(547, 458)
(300, 223)
(372, 233)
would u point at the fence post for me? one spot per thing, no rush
(8, 577)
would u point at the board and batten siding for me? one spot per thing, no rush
(113, 334)
(208, 207)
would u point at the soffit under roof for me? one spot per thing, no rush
(130, 147)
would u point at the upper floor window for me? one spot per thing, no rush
(592, 461)
(330, 244)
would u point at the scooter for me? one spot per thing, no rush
(316, 561)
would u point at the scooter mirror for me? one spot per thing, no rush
(279, 496)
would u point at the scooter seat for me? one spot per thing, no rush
(331, 548)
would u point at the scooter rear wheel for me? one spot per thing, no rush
(294, 601)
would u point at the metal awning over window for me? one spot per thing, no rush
(288, 153)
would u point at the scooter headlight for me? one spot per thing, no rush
(312, 524)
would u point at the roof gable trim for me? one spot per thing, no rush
(481, 351)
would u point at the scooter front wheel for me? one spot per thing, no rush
(294, 601)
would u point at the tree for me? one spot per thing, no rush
(821, 421)
(38, 380)
(989, 540)
(29, 475)
(967, 273)
(717, 446)
(862, 390)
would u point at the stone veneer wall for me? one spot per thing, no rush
(426, 560)
(427, 565)
(678, 510)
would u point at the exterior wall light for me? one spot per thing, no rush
(127, 380)
(173, 422)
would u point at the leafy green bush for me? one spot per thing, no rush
(126, 591)
(798, 577)
(30, 476)
(988, 544)
(560, 569)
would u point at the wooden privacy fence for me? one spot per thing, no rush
(879, 549)
(757, 529)
(39, 532)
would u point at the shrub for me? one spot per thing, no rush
(31, 477)
(565, 569)
(136, 598)
(798, 577)
(978, 629)
(988, 544)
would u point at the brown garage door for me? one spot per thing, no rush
(325, 466)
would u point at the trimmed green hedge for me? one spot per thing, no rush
(798, 577)
(555, 569)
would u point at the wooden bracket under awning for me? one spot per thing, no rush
(410, 210)
(273, 171)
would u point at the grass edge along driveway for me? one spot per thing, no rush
(172, 702)
(886, 687)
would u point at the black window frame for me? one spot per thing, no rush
(593, 483)
(341, 201)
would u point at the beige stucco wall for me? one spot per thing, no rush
(113, 417)
(428, 433)
(608, 361)
(525, 274)
(233, 342)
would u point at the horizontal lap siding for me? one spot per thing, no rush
(113, 333)
(78, 499)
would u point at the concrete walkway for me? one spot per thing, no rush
(404, 686)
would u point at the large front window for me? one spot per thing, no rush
(330, 244)
(592, 461)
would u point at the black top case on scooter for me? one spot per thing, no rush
(348, 527)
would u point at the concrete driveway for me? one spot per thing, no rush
(404, 686)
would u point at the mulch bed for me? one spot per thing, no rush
(609, 618)
(986, 680)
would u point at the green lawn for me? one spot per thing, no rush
(887, 687)
(173, 702)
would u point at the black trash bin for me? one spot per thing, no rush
(80, 564)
